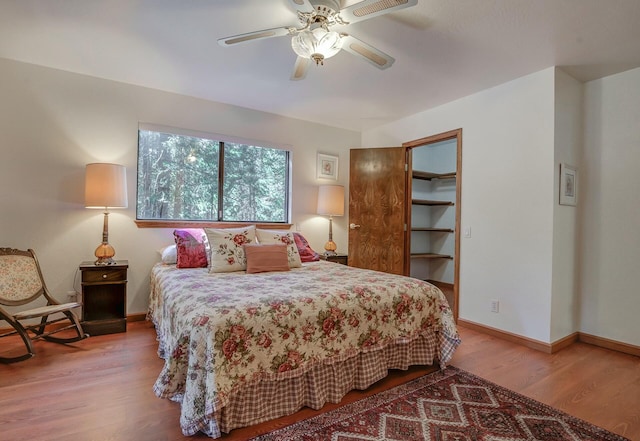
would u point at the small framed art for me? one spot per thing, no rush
(568, 184)
(327, 167)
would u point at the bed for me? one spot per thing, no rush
(241, 348)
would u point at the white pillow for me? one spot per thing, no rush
(227, 253)
(169, 254)
(285, 237)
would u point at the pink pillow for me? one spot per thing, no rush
(190, 248)
(304, 249)
(263, 258)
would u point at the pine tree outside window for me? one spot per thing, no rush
(187, 177)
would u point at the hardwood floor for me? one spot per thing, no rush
(101, 388)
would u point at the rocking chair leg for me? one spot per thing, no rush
(27, 342)
(80, 335)
(43, 323)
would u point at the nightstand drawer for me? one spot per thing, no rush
(110, 275)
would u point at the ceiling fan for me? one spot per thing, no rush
(315, 40)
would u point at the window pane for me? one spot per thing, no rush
(255, 184)
(177, 177)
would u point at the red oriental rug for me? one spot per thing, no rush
(449, 405)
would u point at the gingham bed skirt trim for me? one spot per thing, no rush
(323, 383)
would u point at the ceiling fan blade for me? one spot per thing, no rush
(252, 36)
(302, 5)
(372, 8)
(369, 53)
(300, 69)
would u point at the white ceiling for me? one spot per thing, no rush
(444, 50)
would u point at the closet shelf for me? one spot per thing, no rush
(430, 256)
(427, 176)
(428, 202)
(439, 230)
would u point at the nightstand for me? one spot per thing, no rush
(338, 258)
(104, 297)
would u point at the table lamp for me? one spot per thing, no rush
(105, 188)
(331, 203)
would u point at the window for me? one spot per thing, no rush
(195, 178)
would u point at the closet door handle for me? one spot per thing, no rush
(354, 226)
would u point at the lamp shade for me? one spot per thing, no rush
(331, 200)
(105, 186)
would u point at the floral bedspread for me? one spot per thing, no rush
(220, 332)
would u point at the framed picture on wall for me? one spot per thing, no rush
(568, 184)
(327, 167)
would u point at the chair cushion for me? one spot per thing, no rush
(45, 310)
(19, 279)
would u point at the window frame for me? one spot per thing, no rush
(222, 139)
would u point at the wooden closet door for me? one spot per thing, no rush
(377, 209)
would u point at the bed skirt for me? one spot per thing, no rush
(321, 384)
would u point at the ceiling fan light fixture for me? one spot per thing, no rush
(317, 44)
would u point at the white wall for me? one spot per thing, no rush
(555, 269)
(507, 183)
(52, 123)
(610, 209)
(568, 148)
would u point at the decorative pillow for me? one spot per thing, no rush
(281, 236)
(304, 249)
(190, 248)
(169, 254)
(226, 245)
(264, 258)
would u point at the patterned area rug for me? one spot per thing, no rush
(453, 405)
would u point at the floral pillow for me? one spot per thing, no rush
(190, 248)
(226, 245)
(304, 249)
(281, 236)
(266, 258)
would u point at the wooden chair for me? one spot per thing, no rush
(21, 282)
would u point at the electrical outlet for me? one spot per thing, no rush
(495, 306)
